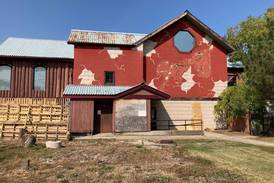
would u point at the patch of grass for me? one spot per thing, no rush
(105, 168)
(239, 161)
(159, 179)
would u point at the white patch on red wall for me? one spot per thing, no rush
(86, 77)
(189, 83)
(138, 48)
(149, 48)
(151, 84)
(207, 39)
(114, 52)
(219, 87)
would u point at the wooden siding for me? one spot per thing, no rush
(82, 116)
(58, 75)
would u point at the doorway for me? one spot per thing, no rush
(103, 110)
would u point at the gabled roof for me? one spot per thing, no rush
(99, 37)
(40, 48)
(94, 91)
(133, 39)
(187, 15)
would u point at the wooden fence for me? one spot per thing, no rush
(47, 118)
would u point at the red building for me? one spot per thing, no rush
(137, 82)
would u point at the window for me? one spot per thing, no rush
(184, 41)
(5, 75)
(39, 78)
(109, 78)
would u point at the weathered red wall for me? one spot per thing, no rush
(166, 66)
(95, 60)
(200, 73)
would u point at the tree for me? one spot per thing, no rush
(253, 40)
(233, 103)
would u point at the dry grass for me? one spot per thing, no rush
(120, 161)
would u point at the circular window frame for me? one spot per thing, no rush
(194, 45)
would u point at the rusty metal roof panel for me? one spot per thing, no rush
(98, 37)
(80, 90)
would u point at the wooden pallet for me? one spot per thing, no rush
(46, 118)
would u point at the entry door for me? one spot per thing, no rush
(103, 116)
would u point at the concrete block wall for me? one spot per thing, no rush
(179, 109)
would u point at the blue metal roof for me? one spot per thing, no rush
(42, 48)
(95, 90)
(237, 64)
(100, 37)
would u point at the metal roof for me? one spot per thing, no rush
(95, 90)
(99, 37)
(237, 64)
(41, 48)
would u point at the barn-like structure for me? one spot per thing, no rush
(110, 82)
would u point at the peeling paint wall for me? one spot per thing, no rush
(180, 110)
(199, 73)
(91, 62)
(130, 115)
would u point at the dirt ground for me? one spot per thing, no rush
(196, 160)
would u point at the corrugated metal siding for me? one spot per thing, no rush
(84, 36)
(22, 47)
(94, 90)
(58, 75)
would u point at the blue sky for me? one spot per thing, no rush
(53, 19)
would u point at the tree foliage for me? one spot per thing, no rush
(253, 40)
(233, 103)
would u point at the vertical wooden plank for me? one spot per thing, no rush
(26, 79)
(15, 79)
(47, 82)
(51, 82)
(22, 80)
(46, 133)
(1, 129)
(12, 80)
(58, 82)
(19, 79)
(62, 81)
(66, 74)
(70, 75)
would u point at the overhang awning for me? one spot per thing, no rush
(141, 91)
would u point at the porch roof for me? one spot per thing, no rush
(92, 91)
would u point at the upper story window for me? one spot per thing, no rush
(39, 78)
(184, 41)
(109, 78)
(5, 77)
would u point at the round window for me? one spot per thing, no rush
(184, 41)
